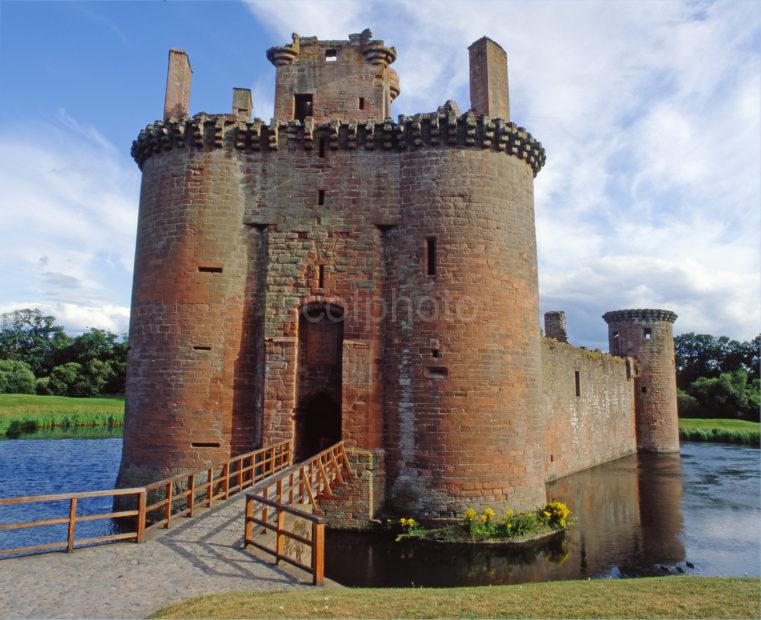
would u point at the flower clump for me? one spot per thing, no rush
(554, 515)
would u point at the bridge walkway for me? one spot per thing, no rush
(204, 555)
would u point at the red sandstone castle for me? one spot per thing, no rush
(336, 275)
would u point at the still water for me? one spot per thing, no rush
(640, 515)
(49, 466)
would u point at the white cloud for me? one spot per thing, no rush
(68, 223)
(650, 118)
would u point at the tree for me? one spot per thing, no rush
(29, 336)
(703, 355)
(729, 395)
(16, 378)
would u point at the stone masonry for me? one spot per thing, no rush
(337, 275)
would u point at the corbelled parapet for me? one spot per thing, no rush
(436, 129)
(375, 51)
(643, 314)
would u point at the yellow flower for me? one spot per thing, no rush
(470, 514)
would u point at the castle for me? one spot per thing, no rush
(336, 275)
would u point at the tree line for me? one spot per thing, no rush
(717, 377)
(37, 356)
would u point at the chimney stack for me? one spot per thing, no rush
(243, 104)
(488, 79)
(178, 78)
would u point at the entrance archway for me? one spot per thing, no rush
(318, 410)
(318, 426)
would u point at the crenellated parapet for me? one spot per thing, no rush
(443, 128)
(641, 314)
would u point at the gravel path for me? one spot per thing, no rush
(126, 580)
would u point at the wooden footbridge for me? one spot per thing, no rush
(281, 499)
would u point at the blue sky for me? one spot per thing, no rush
(649, 112)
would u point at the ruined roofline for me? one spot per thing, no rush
(443, 128)
(374, 50)
(641, 314)
(485, 38)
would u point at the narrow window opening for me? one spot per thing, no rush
(430, 256)
(648, 334)
(321, 197)
(302, 107)
(643, 389)
(552, 458)
(331, 55)
(201, 348)
(616, 342)
(322, 147)
(435, 353)
(361, 103)
(577, 377)
(321, 277)
(204, 444)
(209, 269)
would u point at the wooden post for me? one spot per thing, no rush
(345, 459)
(211, 486)
(318, 553)
(226, 479)
(323, 474)
(240, 474)
(265, 512)
(72, 524)
(169, 492)
(192, 495)
(336, 468)
(279, 539)
(290, 488)
(142, 502)
(272, 460)
(279, 487)
(248, 535)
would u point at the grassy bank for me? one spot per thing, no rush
(659, 597)
(28, 412)
(728, 431)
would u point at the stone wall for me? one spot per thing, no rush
(589, 422)
(362, 496)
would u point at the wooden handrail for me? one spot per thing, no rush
(261, 463)
(306, 480)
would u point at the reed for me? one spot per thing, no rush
(29, 413)
(720, 430)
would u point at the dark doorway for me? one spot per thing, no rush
(318, 426)
(318, 408)
(302, 107)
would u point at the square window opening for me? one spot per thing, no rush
(331, 55)
(648, 334)
(361, 103)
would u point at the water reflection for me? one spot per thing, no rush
(646, 514)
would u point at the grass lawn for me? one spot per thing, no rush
(30, 412)
(659, 597)
(716, 429)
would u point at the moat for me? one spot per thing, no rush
(640, 515)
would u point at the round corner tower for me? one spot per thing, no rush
(647, 336)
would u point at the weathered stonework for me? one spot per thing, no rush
(342, 276)
(646, 335)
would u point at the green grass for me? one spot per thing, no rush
(722, 430)
(29, 412)
(658, 597)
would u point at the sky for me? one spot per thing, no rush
(649, 112)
